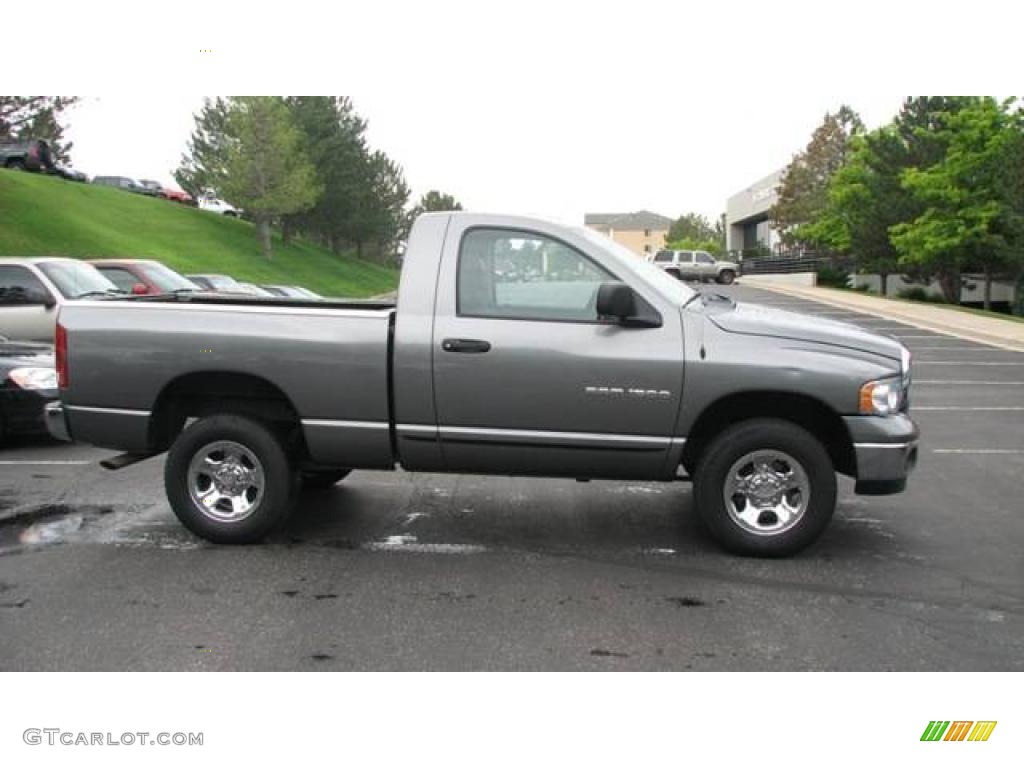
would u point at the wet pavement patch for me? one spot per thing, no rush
(16, 604)
(686, 602)
(321, 657)
(290, 592)
(605, 653)
(325, 596)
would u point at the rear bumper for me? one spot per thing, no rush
(56, 424)
(886, 452)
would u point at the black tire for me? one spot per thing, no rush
(675, 273)
(232, 214)
(739, 441)
(727, 277)
(16, 165)
(271, 508)
(324, 478)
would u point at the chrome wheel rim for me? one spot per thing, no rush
(225, 481)
(766, 492)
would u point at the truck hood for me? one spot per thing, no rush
(758, 320)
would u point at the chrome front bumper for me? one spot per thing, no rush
(56, 423)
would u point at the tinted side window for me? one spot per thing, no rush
(511, 274)
(18, 285)
(663, 256)
(704, 258)
(122, 278)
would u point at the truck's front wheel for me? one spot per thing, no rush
(765, 487)
(228, 479)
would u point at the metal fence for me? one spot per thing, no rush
(774, 263)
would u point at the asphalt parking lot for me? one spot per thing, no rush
(411, 571)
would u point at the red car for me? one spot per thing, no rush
(167, 193)
(142, 277)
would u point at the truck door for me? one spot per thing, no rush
(28, 311)
(527, 378)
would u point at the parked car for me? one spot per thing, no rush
(125, 183)
(291, 291)
(253, 290)
(26, 155)
(617, 371)
(142, 277)
(28, 382)
(222, 283)
(166, 192)
(32, 290)
(216, 205)
(66, 172)
(696, 265)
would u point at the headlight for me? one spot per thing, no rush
(881, 398)
(34, 378)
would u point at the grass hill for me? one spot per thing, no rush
(48, 216)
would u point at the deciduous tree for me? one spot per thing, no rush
(803, 191)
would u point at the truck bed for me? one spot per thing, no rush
(134, 363)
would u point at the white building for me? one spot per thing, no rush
(747, 222)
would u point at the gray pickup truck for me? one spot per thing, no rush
(516, 347)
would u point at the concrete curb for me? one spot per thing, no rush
(890, 310)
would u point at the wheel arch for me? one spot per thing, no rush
(806, 411)
(204, 393)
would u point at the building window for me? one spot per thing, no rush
(647, 233)
(647, 248)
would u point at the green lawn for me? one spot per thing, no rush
(48, 216)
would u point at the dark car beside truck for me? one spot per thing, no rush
(516, 347)
(28, 382)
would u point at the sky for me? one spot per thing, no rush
(549, 109)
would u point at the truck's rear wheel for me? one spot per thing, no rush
(324, 478)
(727, 277)
(765, 487)
(228, 479)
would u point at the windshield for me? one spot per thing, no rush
(652, 275)
(74, 279)
(223, 282)
(166, 279)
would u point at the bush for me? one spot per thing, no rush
(833, 277)
(917, 293)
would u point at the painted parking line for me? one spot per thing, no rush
(964, 349)
(993, 451)
(968, 408)
(972, 382)
(31, 463)
(971, 363)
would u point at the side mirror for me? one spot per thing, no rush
(139, 290)
(615, 300)
(618, 301)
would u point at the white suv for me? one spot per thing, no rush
(32, 291)
(696, 265)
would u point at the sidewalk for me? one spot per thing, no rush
(1007, 334)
